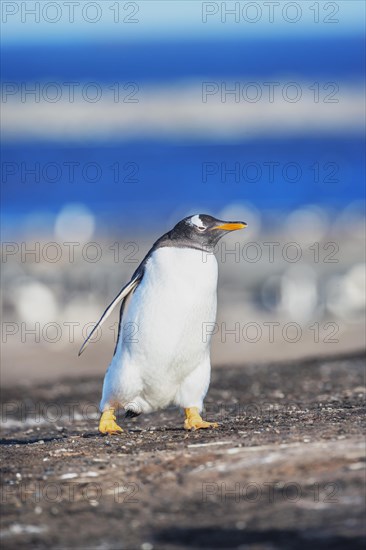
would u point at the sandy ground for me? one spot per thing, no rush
(285, 469)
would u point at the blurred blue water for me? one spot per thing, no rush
(155, 61)
(268, 173)
(157, 176)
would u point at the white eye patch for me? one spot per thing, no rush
(197, 222)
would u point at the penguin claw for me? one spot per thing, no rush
(107, 424)
(194, 421)
(110, 428)
(198, 425)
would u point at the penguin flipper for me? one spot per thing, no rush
(126, 290)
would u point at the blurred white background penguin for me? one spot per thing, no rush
(170, 296)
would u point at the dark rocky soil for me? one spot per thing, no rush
(284, 470)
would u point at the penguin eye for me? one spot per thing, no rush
(201, 228)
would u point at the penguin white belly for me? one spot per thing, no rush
(162, 339)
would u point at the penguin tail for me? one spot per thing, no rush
(131, 414)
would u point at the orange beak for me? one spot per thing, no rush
(231, 226)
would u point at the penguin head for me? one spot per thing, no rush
(203, 231)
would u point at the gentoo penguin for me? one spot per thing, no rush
(161, 356)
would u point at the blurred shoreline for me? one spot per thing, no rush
(274, 308)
